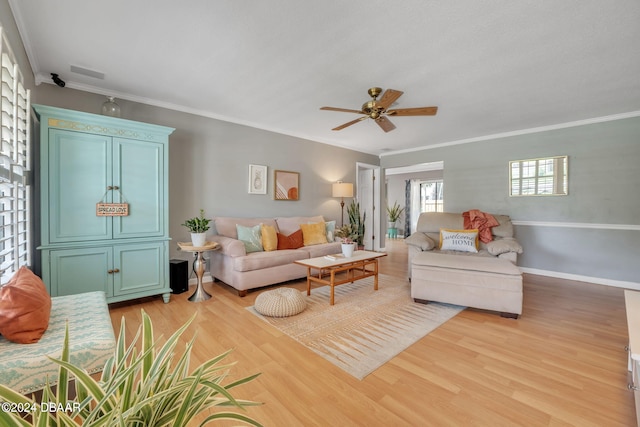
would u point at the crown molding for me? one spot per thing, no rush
(539, 129)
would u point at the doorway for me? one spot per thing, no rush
(417, 188)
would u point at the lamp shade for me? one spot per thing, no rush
(342, 189)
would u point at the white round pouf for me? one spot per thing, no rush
(280, 302)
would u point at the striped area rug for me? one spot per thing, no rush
(365, 328)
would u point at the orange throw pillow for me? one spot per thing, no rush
(292, 241)
(25, 307)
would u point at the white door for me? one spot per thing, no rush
(368, 194)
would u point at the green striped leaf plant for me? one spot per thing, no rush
(146, 386)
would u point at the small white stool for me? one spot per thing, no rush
(280, 302)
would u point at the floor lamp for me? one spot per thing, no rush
(342, 190)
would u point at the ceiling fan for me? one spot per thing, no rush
(377, 109)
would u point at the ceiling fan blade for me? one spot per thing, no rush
(389, 97)
(420, 111)
(385, 124)
(352, 122)
(344, 110)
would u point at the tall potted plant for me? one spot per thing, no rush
(393, 214)
(144, 384)
(198, 227)
(357, 222)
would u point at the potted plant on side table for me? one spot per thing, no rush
(393, 215)
(198, 227)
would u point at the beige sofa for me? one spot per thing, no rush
(243, 271)
(488, 279)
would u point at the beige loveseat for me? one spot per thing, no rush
(243, 271)
(487, 279)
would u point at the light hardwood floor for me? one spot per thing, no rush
(562, 363)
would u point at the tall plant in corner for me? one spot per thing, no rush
(357, 221)
(141, 385)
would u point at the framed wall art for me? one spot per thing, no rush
(286, 185)
(257, 179)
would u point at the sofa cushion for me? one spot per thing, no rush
(25, 307)
(505, 229)
(292, 241)
(502, 246)
(260, 260)
(322, 250)
(470, 263)
(251, 237)
(269, 238)
(314, 234)
(459, 240)
(288, 225)
(420, 240)
(432, 222)
(226, 226)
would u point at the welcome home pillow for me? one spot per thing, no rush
(459, 240)
(251, 237)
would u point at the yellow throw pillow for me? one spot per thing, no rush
(314, 234)
(269, 238)
(459, 240)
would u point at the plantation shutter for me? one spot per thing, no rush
(15, 149)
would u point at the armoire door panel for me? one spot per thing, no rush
(138, 172)
(74, 271)
(139, 267)
(80, 171)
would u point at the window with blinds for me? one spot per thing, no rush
(15, 151)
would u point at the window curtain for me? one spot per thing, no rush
(415, 203)
(407, 208)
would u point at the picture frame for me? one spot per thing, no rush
(286, 185)
(257, 179)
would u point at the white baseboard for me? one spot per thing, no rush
(579, 278)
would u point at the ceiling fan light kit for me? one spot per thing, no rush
(377, 109)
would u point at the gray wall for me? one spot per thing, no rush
(209, 163)
(593, 232)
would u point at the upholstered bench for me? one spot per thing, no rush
(479, 282)
(25, 367)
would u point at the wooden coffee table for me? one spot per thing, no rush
(348, 269)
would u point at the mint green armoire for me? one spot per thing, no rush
(86, 159)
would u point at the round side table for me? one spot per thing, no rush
(198, 266)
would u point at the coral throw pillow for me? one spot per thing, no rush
(25, 307)
(292, 241)
(314, 234)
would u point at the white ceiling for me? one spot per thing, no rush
(492, 67)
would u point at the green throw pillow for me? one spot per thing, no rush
(251, 237)
(331, 229)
